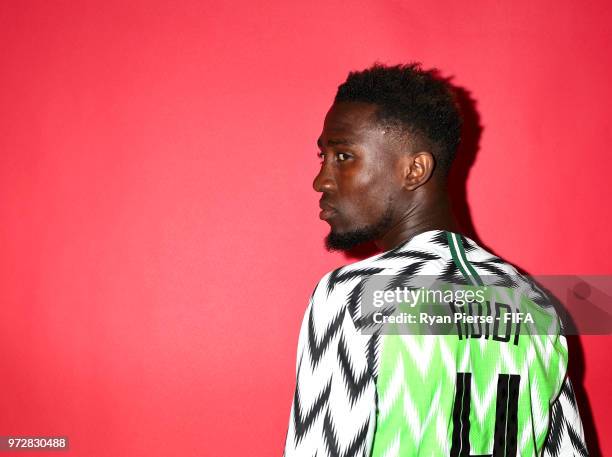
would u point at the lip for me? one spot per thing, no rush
(326, 214)
(327, 211)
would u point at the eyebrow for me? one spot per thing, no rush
(336, 142)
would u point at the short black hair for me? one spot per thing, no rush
(418, 101)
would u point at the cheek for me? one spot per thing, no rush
(365, 194)
(367, 206)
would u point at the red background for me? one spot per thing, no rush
(159, 235)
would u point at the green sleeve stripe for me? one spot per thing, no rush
(461, 260)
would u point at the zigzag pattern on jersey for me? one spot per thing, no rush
(321, 410)
(406, 398)
(334, 407)
(341, 407)
(566, 436)
(407, 395)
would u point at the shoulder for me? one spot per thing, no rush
(501, 272)
(346, 277)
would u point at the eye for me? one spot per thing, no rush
(321, 155)
(342, 156)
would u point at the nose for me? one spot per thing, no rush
(324, 181)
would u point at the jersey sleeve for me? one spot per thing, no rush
(298, 423)
(566, 435)
(333, 408)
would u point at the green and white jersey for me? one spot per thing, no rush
(362, 393)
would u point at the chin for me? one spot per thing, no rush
(337, 227)
(334, 230)
(346, 240)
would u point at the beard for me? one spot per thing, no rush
(348, 240)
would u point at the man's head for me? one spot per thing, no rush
(390, 135)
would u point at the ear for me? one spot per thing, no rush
(417, 169)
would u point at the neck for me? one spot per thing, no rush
(427, 212)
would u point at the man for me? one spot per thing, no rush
(386, 148)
